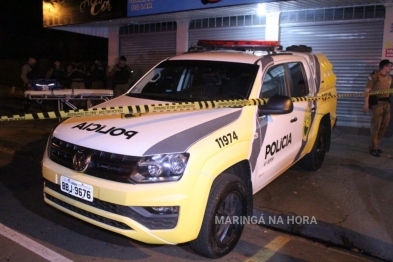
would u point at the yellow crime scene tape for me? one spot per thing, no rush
(130, 111)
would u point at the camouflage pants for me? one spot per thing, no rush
(120, 89)
(379, 122)
(79, 85)
(97, 84)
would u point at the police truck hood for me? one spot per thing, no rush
(154, 133)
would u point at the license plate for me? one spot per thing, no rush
(76, 188)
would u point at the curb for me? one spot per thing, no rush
(326, 233)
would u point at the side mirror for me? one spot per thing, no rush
(276, 105)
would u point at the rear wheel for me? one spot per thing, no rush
(313, 160)
(221, 228)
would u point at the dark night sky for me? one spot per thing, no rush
(22, 34)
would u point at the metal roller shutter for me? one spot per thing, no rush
(145, 50)
(227, 33)
(354, 47)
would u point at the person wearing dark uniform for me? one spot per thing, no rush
(57, 73)
(76, 71)
(98, 75)
(28, 74)
(121, 75)
(379, 80)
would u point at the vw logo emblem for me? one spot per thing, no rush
(81, 160)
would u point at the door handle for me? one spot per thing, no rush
(294, 119)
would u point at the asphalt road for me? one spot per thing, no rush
(30, 230)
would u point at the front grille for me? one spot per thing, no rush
(151, 222)
(109, 166)
(88, 214)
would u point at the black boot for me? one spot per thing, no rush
(43, 108)
(26, 108)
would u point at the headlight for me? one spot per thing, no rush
(160, 168)
(49, 143)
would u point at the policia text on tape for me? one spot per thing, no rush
(130, 111)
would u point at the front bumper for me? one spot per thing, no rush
(112, 207)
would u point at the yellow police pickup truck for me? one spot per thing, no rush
(175, 176)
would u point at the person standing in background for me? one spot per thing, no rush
(121, 75)
(98, 75)
(28, 74)
(76, 72)
(379, 80)
(57, 73)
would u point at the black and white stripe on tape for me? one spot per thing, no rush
(136, 110)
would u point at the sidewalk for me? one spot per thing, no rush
(350, 198)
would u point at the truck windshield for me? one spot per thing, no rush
(186, 80)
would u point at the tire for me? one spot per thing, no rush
(227, 199)
(313, 160)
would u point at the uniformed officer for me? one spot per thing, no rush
(98, 75)
(379, 80)
(121, 74)
(28, 74)
(57, 72)
(76, 71)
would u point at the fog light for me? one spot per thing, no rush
(165, 210)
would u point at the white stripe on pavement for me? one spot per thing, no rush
(32, 245)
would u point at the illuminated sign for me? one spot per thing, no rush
(65, 12)
(149, 7)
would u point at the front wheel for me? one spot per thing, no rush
(313, 160)
(222, 224)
